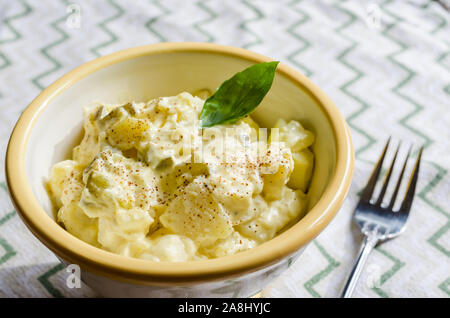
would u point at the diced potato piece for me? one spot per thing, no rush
(252, 228)
(195, 214)
(108, 235)
(123, 226)
(79, 224)
(233, 244)
(294, 135)
(60, 172)
(127, 132)
(134, 248)
(274, 216)
(133, 221)
(234, 190)
(173, 248)
(182, 175)
(65, 182)
(303, 168)
(275, 181)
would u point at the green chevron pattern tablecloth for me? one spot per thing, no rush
(386, 64)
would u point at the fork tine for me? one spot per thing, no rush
(370, 186)
(387, 177)
(399, 182)
(409, 196)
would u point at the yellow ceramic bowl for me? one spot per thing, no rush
(51, 125)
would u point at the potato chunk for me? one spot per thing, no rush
(274, 216)
(294, 135)
(127, 132)
(303, 168)
(79, 224)
(275, 181)
(195, 214)
(233, 244)
(65, 182)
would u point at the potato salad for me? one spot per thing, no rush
(147, 182)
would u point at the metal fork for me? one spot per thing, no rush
(379, 223)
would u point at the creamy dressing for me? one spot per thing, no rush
(147, 182)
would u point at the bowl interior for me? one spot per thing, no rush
(59, 127)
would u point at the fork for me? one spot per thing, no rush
(379, 223)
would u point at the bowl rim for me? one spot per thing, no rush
(131, 270)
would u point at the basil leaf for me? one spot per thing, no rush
(238, 96)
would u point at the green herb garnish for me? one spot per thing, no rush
(238, 96)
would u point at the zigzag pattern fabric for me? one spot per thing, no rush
(386, 64)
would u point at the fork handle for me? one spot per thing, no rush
(366, 247)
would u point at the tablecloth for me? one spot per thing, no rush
(385, 64)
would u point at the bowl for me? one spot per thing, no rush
(52, 124)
